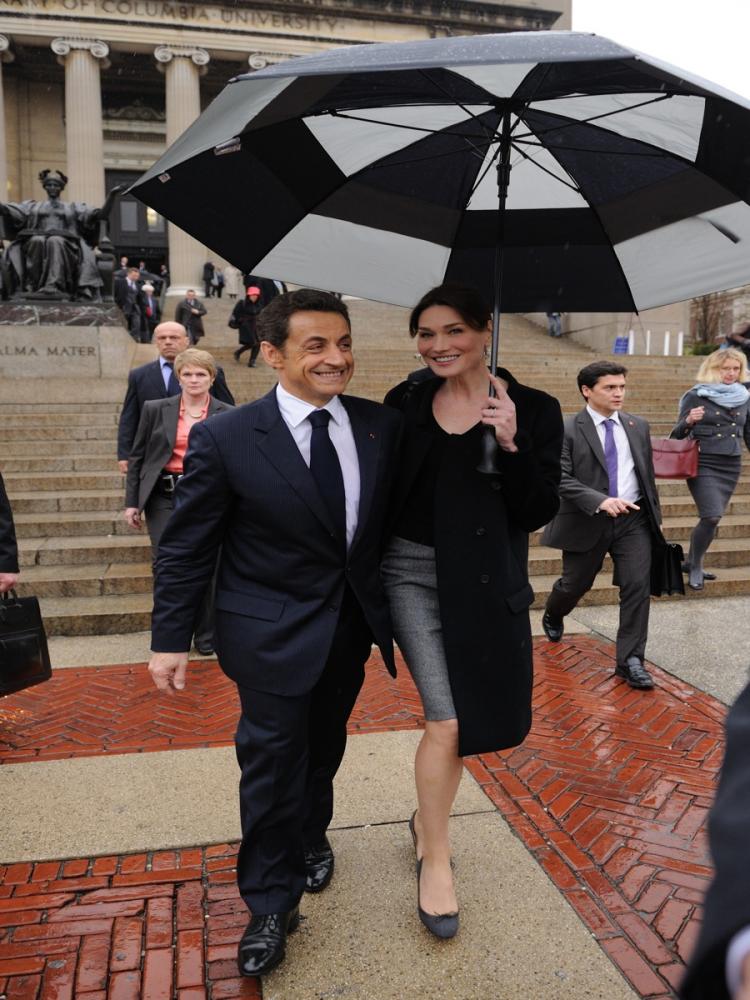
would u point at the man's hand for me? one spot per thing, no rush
(133, 517)
(614, 506)
(122, 465)
(499, 412)
(7, 581)
(169, 671)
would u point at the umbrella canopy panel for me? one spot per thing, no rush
(372, 170)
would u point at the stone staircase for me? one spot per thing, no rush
(92, 573)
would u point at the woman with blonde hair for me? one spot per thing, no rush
(715, 412)
(156, 459)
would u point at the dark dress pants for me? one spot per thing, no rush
(158, 508)
(627, 538)
(289, 749)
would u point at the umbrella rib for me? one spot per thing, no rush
(594, 118)
(525, 155)
(601, 152)
(458, 104)
(408, 128)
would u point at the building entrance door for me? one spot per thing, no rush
(137, 232)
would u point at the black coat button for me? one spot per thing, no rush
(481, 531)
(333, 608)
(484, 578)
(494, 485)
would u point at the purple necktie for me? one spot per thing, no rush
(610, 455)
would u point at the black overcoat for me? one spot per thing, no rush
(8, 545)
(482, 524)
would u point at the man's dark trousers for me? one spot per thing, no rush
(627, 538)
(289, 750)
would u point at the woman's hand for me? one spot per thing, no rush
(133, 517)
(697, 413)
(500, 412)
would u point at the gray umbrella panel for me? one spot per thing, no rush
(628, 187)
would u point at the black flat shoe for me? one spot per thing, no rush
(553, 627)
(263, 945)
(442, 925)
(635, 673)
(706, 576)
(695, 586)
(319, 863)
(204, 648)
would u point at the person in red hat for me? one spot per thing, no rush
(243, 319)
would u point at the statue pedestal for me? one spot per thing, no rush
(70, 340)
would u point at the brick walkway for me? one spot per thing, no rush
(609, 793)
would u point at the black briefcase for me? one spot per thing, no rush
(666, 567)
(24, 657)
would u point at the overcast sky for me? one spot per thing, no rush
(708, 37)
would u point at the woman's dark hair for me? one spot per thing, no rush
(273, 321)
(591, 374)
(467, 302)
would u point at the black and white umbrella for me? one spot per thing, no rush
(379, 170)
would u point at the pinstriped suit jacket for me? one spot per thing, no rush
(282, 571)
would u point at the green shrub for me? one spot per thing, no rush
(703, 348)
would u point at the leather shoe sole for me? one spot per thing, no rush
(205, 650)
(553, 627)
(264, 942)
(319, 865)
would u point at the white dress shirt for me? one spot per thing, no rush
(628, 487)
(295, 412)
(738, 949)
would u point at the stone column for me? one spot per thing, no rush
(5, 56)
(183, 67)
(83, 116)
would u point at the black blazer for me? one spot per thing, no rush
(8, 546)
(727, 903)
(481, 525)
(585, 482)
(722, 428)
(128, 298)
(144, 383)
(154, 444)
(192, 323)
(282, 571)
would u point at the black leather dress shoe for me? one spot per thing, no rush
(204, 648)
(553, 627)
(263, 945)
(318, 866)
(635, 673)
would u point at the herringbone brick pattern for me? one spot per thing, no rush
(609, 793)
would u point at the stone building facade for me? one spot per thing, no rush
(99, 88)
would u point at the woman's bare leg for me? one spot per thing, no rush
(437, 770)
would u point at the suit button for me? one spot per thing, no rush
(718, 435)
(481, 531)
(494, 485)
(333, 608)
(484, 578)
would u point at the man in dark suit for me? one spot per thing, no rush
(608, 504)
(297, 506)
(190, 313)
(129, 297)
(720, 965)
(151, 309)
(8, 546)
(156, 380)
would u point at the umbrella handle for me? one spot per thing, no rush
(488, 462)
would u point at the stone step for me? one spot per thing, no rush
(96, 615)
(84, 550)
(18, 483)
(71, 524)
(677, 529)
(80, 433)
(87, 580)
(724, 552)
(67, 463)
(39, 502)
(43, 419)
(43, 448)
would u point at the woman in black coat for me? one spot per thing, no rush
(244, 317)
(455, 568)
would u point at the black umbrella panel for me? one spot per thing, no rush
(373, 170)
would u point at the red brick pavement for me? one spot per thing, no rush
(609, 793)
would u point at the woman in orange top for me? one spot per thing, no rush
(155, 462)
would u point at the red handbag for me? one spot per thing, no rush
(675, 458)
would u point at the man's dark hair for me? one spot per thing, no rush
(273, 321)
(466, 301)
(591, 374)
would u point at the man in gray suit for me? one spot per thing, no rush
(608, 504)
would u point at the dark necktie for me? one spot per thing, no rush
(326, 470)
(173, 386)
(610, 455)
